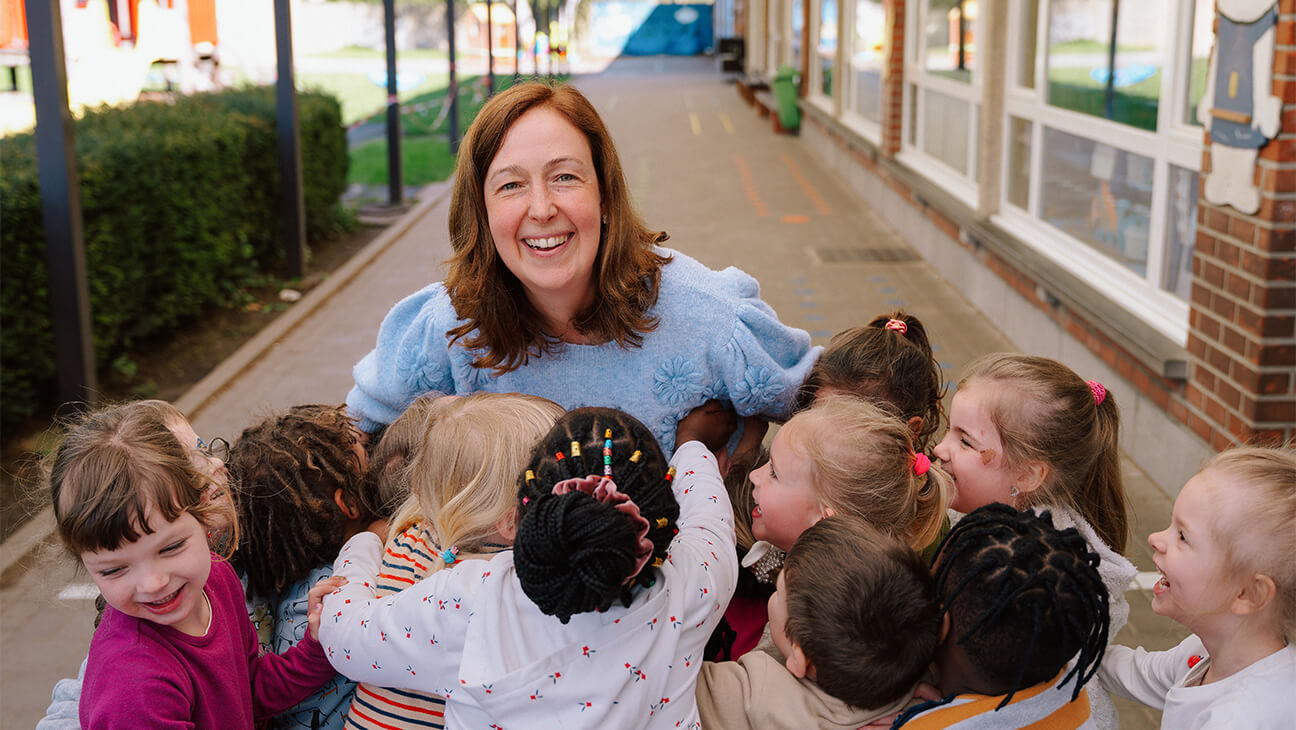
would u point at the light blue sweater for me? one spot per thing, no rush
(715, 339)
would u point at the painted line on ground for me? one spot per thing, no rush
(816, 200)
(724, 122)
(1145, 580)
(79, 592)
(749, 187)
(696, 124)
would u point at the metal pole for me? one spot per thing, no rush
(1109, 93)
(490, 51)
(453, 88)
(962, 38)
(517, 43)
(60, 187)
(395, 174)
(291, 205)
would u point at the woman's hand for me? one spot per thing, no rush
(712, 423)
(315, 602)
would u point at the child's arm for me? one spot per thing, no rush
(705, 543)
(408, 640)
(1148, 676)
(62, 713)
(281, 681)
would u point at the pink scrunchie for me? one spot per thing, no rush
(921, 463)
(604, 490)
(1099, 392)
(898, 326)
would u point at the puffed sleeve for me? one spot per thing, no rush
(411, 358)
(764, 360)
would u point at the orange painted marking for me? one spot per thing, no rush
(749, 187)
(815, 199)
(796, 219)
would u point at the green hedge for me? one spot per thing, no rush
(180, 208)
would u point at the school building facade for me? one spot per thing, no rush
(1069, 202)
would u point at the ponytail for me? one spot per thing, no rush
(935, 492)
(1102, 495)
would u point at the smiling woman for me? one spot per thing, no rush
(558, 289)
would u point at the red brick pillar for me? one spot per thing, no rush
(1242, 321)
(893, 78)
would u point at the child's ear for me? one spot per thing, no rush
(798, 664)
(506, 526)
(1031, 476)
(347, 508)
(915, 425)
(1254, 596)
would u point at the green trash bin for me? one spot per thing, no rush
(786, 82)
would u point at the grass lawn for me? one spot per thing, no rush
(360, 97)
(353, 52)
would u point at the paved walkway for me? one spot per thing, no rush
(703, 167)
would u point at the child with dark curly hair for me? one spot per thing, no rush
(1020, 599)
(597, 618)
(300, 493)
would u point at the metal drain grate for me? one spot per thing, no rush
(857, 255)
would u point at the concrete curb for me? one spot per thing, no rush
(41, 526)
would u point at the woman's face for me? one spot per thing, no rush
(542, 199)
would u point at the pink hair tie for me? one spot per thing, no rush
(921, 464)
(898, 326)
(1099, 392)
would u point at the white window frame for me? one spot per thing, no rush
(755, 50)
(865, 127)
(963, 185)
(1174, 143)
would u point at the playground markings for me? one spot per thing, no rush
(79, 592)
(696, 124)
(749, 187)
(724, 122)
(820, 206)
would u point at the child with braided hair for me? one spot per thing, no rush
(462, 478)
(1229, 577)
(300, 492)
(1019, 600)
(620, 570)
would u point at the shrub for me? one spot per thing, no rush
(180, 207)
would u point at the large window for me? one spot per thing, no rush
(864, 93)
(827, 56)
(1103, 157)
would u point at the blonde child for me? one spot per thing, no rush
(596, 618)
(389, 462)
(462, 478)
(856, 615)
(130, 487)
(1229, 576)
(1019, 599)
(1028, 432)
(846, 456)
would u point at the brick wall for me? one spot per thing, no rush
(1242, 337)
(893, 78)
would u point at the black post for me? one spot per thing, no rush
(291, 206)
(453, 88)
(517, 43)
(490, 51)
(60, 205)
(962, 38)
(1109, 93)
(395, 175)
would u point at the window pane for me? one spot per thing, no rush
(1029, 26)
(949, 48)
(827, 45)
(866, 58)
(945, 129)
(913, 115)
(1099, 195)
(1080, 50)
(1019, 162)
(798, 25)
(1199, 57)
(773, 58)
(1181, 231)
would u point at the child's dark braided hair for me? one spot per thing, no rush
(1023, 598)
(893, 364)
(573, 553)
(286, 470)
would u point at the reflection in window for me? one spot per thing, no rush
(798, 25)
(945, 129)
(827, 45)
(949, 46)
(1019, 161)
(1181, 231)
(866, 59)
(1029, 28)
(1099, 195)
(1199, 58)
(1086, 37)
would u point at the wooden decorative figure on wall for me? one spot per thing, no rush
(1239, 109)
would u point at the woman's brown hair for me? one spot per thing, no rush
(1047, 414)
(499, 320)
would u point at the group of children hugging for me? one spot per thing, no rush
(493, 561)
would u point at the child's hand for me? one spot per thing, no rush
(315, 602)
(712, 423)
